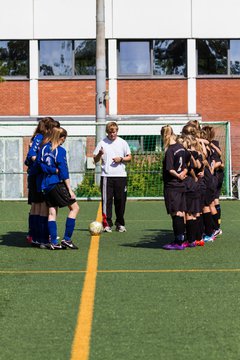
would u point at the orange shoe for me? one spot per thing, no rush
(200, 242)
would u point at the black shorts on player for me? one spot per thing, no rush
(34, 196)
(59, 196)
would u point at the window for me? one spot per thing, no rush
(152, 58)
(218, 57)
(134, 58)
(14, 58)
(169, 57)
(212, 57)
(67, 58)
(235, 57)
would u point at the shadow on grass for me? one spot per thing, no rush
(14, 238)
(155, 241)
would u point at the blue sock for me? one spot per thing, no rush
(30, 225)
(35, 228)
(46, 231)
(41, 228)
(44, 234)
(52, 228)
(69, 228)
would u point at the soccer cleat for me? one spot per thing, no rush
(68, 245)
(44, 246)
(217, 232)
(107, 229)
(200, 242)
(121, 228)
(189, 244)
(173, 246)
(29, 239)
(52, 246)
(35, 243)
(207, 238)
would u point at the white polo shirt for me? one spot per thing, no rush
(112, 149)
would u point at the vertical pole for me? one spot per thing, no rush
(100, 77)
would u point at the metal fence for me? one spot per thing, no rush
(144, 172)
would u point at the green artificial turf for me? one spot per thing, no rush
(149, 303)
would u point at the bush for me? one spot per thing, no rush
(144, 178)
(88, 188)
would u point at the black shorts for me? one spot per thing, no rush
(59, 196)
(174, 200)
(33, 195)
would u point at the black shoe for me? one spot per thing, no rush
(35, 243)
(52, 246)
(68, 244)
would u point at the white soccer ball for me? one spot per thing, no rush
(95, 228)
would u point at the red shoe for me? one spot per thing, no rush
(29, 239)
(200, 242)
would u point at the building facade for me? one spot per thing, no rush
(164, 58)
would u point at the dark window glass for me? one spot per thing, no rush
(14, 58)
(85, 57)
(56, 58)
(169, 57)
(134, 58)
(212, 57)
(235, 57)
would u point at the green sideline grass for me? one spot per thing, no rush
(149, 303)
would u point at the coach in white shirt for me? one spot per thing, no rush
(113, 152)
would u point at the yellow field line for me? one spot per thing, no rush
(82, 336)
(126, 271)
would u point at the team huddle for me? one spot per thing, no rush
(193, 174)
(49, 187)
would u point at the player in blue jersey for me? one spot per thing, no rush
(38, 213)
(57, 189)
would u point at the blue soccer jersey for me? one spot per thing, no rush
(33, 168)
(54, 166)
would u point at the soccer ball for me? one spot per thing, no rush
(95, 228)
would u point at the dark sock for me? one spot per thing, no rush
(218, 208)
(208, 223)
(215, 220)
(191, 230)
(178, 228)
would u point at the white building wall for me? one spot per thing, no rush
(64, 19)
(16, 20)
(152, 19)
(215, 19)
(75, 19)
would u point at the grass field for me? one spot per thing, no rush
(120, 296)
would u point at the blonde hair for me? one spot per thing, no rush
(167, 135)
(111, 127)
(56, 135)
